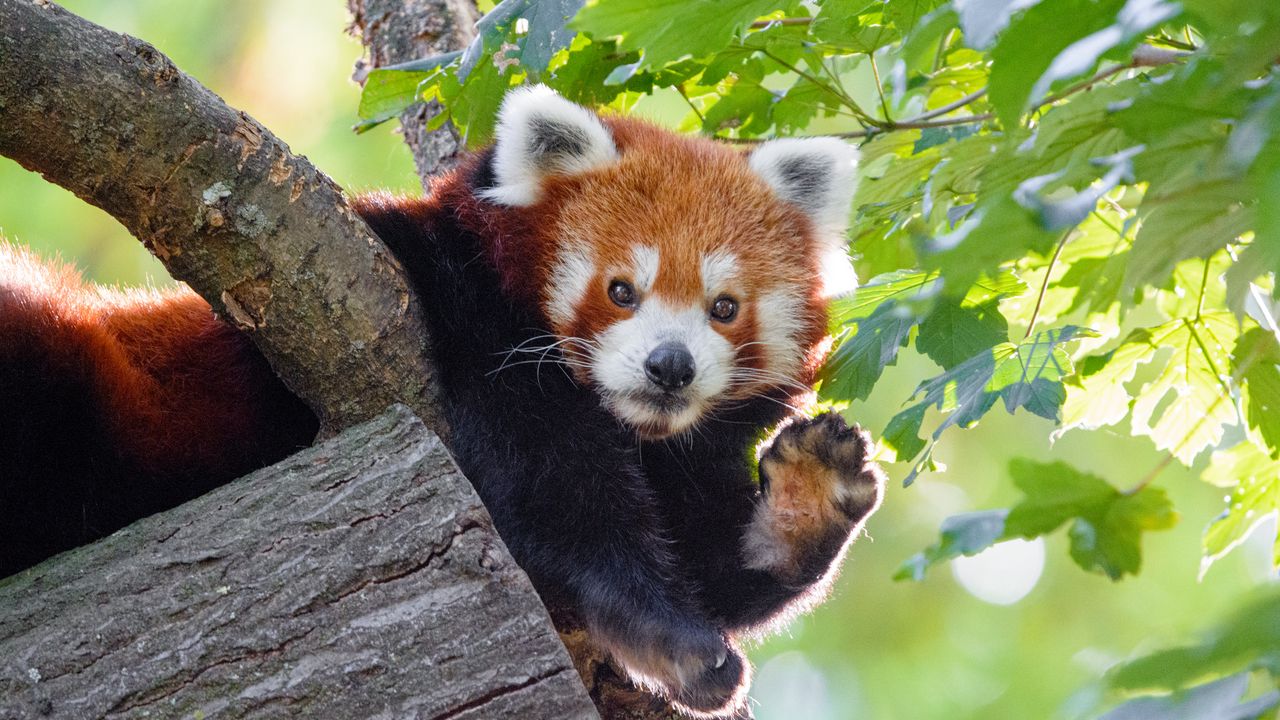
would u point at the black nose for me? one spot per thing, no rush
(670, 366)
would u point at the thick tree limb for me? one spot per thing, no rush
(335, 584)
(259, 232)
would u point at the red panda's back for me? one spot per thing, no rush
(121, 404)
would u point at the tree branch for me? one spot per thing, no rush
(266, 238)
(327, 586)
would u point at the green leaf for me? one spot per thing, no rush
(1029, 48)
(1185, 409)
(1112, 544)
(1082, 56)
(907, 14)
(992, 235)
(1256, 360)
(1097, 396)
(1106, 524)
(1055, 493)
(747, 106)
(953, 332)
(903, 285)
(1246, 636)
(473, 106)
(389, 91)
(982, 20)
(667, 30)
(1186, 220)
(1027, 375)
(546, 35)
(583, 78)
(853, 369)
(1254, 499)
(1218, 700)
(967, 534)
(902, 434)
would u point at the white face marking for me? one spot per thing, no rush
(617, 364)
(719, 269)
(778, 316)
(838, 275)
(574, 268)
(644, 267)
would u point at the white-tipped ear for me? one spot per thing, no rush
(817, 175)
(814, 174)
(540, 134)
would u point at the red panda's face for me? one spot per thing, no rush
(679, 275)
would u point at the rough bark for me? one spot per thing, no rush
(263, 235)
(335, 584)
(397, 31)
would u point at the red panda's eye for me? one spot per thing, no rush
(724, 309)
(622, 294)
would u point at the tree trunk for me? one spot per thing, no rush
(358, 579)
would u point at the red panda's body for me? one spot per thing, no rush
(121, 404)
(618, 316)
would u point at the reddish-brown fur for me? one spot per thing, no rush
(178, 388)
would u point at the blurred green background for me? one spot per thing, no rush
(1018, 632)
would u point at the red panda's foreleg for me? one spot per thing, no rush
(818, 486)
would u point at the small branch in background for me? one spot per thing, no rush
(1044, 286)
(949, 107)
(702, 120)
(1152, 56)
(1143, 56)
(884, 102)
(761, 24)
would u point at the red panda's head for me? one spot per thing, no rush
(680, 274)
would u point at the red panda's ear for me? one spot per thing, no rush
(541, 134)
(817, 175)
(814, 174)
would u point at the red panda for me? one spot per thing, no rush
(619, 316)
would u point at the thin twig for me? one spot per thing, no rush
(844, 98)
(872, 131)
(967, 99)
(884, 103)
(760, 24)
(701, 119)
(1150, 57)
(1044, 286)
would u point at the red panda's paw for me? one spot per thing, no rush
(819, 485)
(698, 669)
(719, 688)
